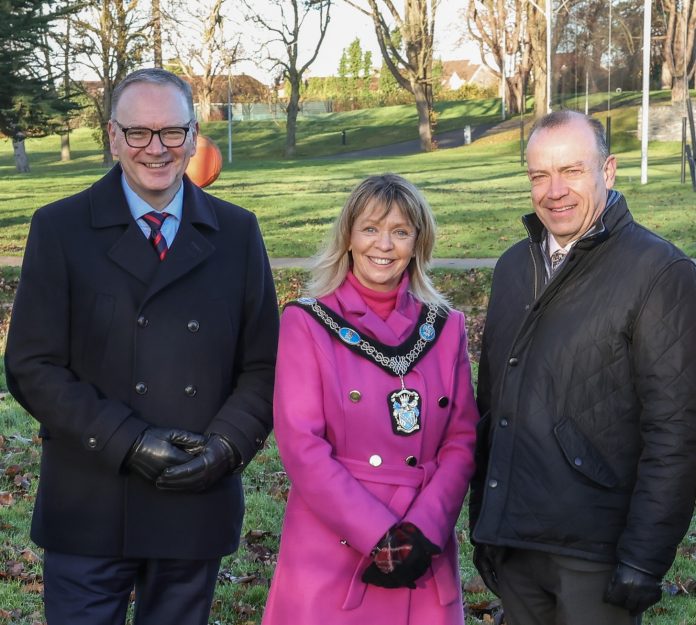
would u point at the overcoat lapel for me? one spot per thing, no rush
(191, 247)
(133, 252)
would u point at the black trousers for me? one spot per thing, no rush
(82, 590)
(539, 588)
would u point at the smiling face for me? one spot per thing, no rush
(569, 181)
(382, 246)
(153, 172)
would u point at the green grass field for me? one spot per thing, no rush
(478, 193)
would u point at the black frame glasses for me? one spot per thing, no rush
(129, 134)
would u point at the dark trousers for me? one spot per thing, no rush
(80, 590)
(539, 588)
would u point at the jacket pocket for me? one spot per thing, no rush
(583, 456)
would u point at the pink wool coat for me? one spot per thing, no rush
(348, 470)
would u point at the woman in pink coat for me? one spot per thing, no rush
(375, 420)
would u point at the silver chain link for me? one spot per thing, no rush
(398, 364)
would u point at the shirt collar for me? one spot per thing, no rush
(139, 207)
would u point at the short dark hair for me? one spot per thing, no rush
(565, 116)
(153, 76)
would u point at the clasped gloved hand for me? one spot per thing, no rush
(158, 448)
(400, 558)
(633, 589)
(484, 561)
(218, 458)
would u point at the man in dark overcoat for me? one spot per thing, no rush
(586, 450)
(143, 340)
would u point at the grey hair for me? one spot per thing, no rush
(566, 116)
(331, 264)
(153, 76)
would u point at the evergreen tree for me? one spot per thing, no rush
(30, 106)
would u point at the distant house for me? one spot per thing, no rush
(245, 88)
(456, 74)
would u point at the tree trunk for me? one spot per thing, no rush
(65, 147)
(678, 90)
(204, 105)
(20, 154)
(157, 33)
(293, 110)
(424, 107)
(107, 159)
(665, 77)
(540, 104)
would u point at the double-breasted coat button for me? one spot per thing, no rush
(411, 461)
(193, 325)
(375, 460)
(143, 321)
(91, 442)
(354, 396)
(504, 422)
(493, 483)
(513, 361)
(577, 462)
(141, 388)
(443, 401)
(190, 390)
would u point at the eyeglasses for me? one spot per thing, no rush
(170, 137)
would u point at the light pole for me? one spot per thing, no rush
(548, 55)
(229, 114)
(647, 19)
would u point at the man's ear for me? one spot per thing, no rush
(610, 171)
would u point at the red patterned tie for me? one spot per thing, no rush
(155, 220)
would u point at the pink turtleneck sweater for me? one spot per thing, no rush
(381, 302)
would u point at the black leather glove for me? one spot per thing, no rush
(218, 458)
(484, 562)
(158, 448)
(402, 556)
(633, 589)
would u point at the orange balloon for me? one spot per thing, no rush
(205, 165)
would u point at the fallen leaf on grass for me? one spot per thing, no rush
(29, 556)
(474, 585)
(6, 499)
(679, 586)
(14, 569)
(253, 536)
(33, 587)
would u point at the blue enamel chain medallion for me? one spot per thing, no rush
(405, 405)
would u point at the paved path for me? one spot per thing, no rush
(303, 263)
(449, 139)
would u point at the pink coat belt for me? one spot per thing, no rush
(410, 479)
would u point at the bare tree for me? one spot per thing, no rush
(500, 29)
(205, 50)
(411, 64)
(156, 16)
(284, 23)
(679, 17)
(110, 38)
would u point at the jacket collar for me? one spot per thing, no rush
(614, 217)
(133, 253)
(114, 212)
(400, 321)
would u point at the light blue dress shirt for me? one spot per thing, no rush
(138, 207)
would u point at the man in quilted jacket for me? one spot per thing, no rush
(586, 473)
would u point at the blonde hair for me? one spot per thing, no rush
(331, 264)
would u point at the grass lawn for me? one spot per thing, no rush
(244, 577)
(478, 191)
